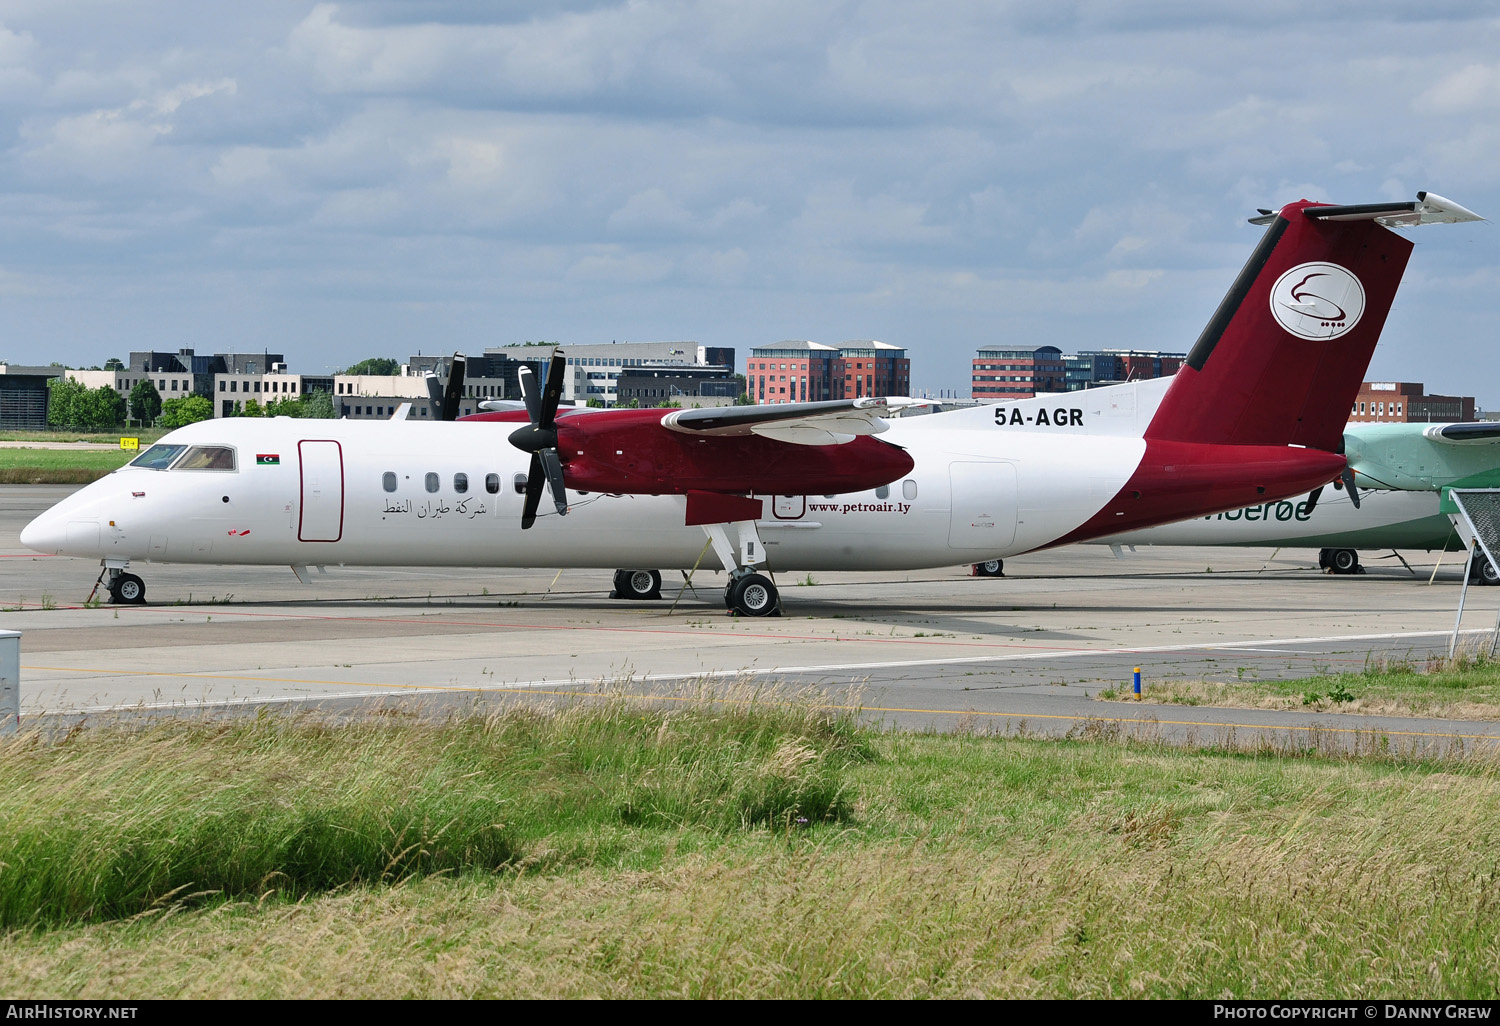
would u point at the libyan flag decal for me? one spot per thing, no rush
(267, 459)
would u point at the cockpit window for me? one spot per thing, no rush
(158, 457)
(207, 457)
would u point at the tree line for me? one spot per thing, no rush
(74, 406)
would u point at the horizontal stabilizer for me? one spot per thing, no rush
(1429, 208)
(824, 423)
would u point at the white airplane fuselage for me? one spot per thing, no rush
(1385, 519)
(316, 493)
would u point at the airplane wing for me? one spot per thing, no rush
(824, 423)
(1483, 432)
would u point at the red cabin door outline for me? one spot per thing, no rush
(321, 516)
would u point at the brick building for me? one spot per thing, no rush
(799, 371)
(1404, 402)
(1111, 366)
(1017, 373)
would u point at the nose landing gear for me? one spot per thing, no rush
(128, 589)
(124, 589)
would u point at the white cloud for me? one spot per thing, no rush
(836, 215)
(167, 101)
(16, 48)
(615, 266)
(108, 142)
(1472, 87)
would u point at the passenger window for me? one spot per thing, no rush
(883, 492)
(909, 488)
(432, 482)
(492, 483)
(207, 457)
(158, 457)
(389, 480)
(520, 484)
(460, 483)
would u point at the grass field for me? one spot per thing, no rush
(1467, 687)
(146, 436)
(59, 466)
(757, 850)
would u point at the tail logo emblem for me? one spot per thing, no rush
(1319, 301)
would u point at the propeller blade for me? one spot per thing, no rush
(552, 391)
(454, 393)
(529, 394)
(435, 395)
(539, 437)
(535, 482)
(1312, 499)
(1348, 478)
(553, 464)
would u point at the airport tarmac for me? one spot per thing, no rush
(931, 649)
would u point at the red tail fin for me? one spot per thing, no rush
(1283, 357)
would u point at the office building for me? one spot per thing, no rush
(1403, 402)
(802, 371)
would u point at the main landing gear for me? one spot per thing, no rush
(752, 595)
(1483, 571)
(990, 568)
(749, 593)
(637, 585)
(1340, 561)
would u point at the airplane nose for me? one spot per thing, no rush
(44, 534)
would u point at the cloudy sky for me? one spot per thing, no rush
(342, 180)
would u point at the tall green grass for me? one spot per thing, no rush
(113, 823)
(628, 851)
(60, 466)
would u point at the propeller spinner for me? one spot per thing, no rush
(540, 439)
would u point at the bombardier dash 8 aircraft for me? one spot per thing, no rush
(1256, 415)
